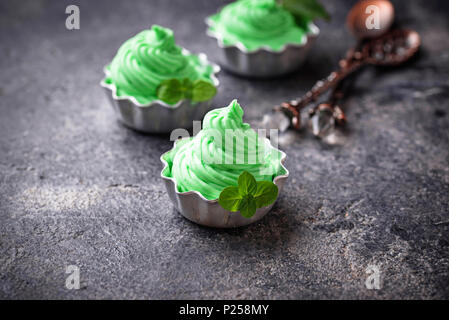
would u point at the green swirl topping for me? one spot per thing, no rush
(219, 153)
(149, 58)
(256, 24)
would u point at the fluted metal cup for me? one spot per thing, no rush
(158, 116)
(263, 62)
(193, 206)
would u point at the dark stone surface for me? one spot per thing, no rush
(79, 188)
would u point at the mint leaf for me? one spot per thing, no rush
(174, 90)
(203, 90)
(306, 9)
(248, 196)
(247, 206)
(247, 183)
(266, 193)
(230, 198)
(170, 91)
(187, 87)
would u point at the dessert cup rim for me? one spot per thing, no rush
(173, 180)
(113, 88)
(314, 31)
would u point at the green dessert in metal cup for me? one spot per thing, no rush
(199, 168)
(144, 75)
(255, 24)
(260, 38)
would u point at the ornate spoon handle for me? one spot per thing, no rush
(353, 61)
(390, 49)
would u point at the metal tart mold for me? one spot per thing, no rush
(158, 116)
(196, 208)
(263, 62)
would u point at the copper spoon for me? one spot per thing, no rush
(357, 24)
(360, 22)
(393, 48)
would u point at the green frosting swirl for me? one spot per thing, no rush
(256, 24)
(147, 59)
(205, 163)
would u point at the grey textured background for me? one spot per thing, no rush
(79, 188)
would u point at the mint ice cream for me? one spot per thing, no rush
(256, 24)
(149, 58)
(207, 163)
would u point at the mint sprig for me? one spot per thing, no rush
(174, 90)
(305, 9)
(248, 195)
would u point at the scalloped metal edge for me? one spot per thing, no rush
(113, 88)
(313, 32)
(200, 196)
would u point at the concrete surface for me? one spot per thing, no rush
(78, 188)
